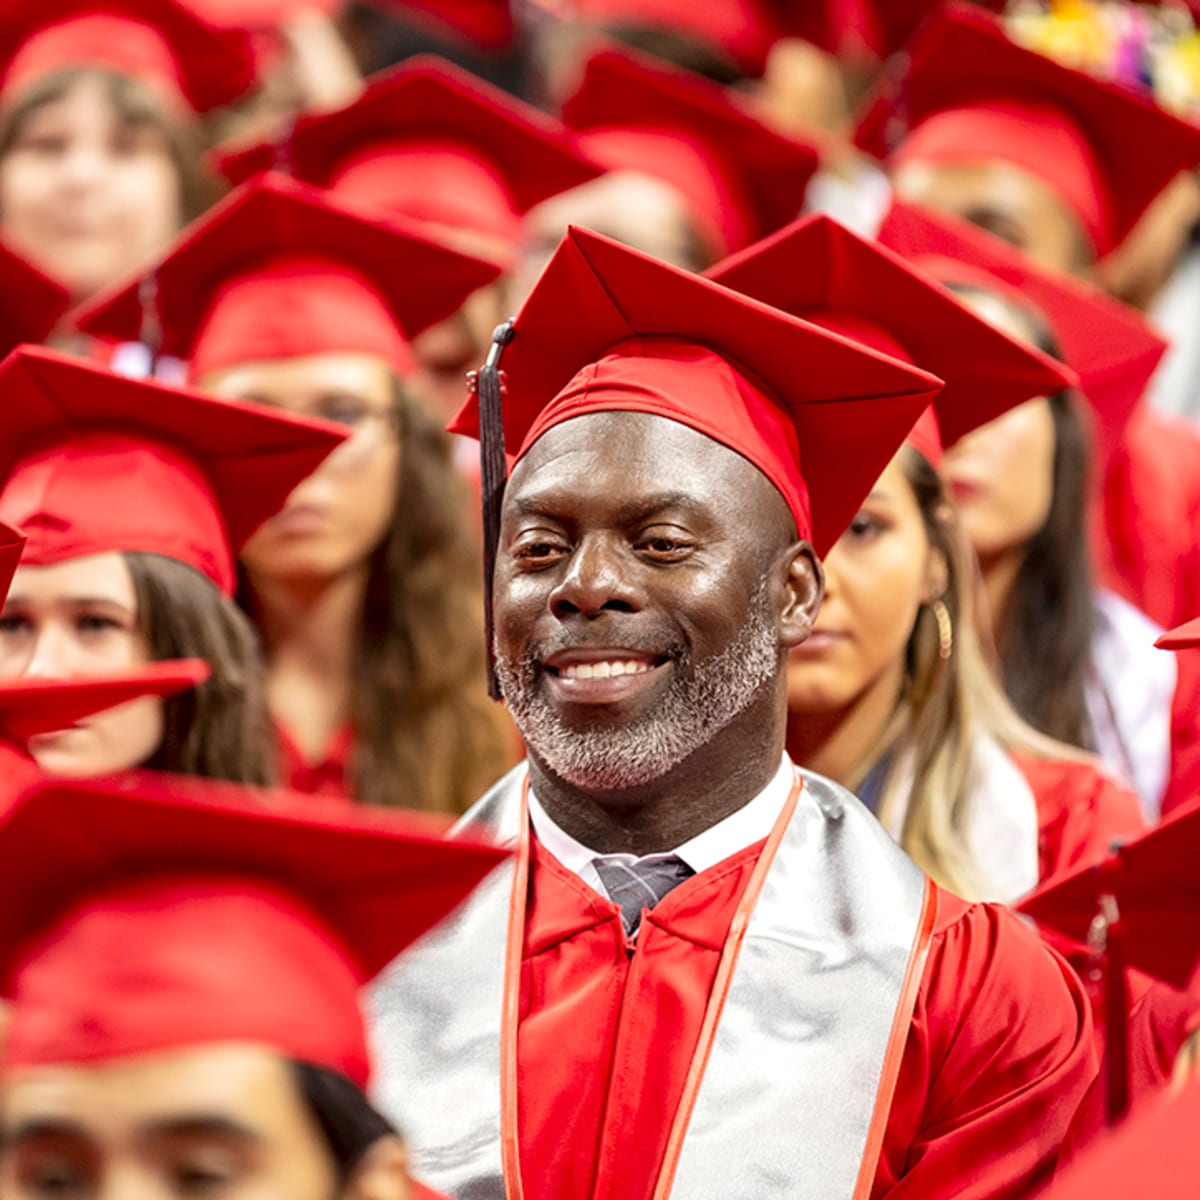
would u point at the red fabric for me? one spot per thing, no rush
(329, 777)
(438, 182)
(1145, 519)
(1112, 348)
(1082, 811)
(1034, 137)
(296, 307)
(131, 47)
(608, 328)
(698, 388)
(821, 271)
(1183, 782)
(94, 462)
(32, 706)
(741, 178)
(427, 101)
(31, 303)
(80, 997)
(165, 42)
(745, 30)
(255, 918)
(298, 273)
(691, 167)
(998, 1055)
(1183, 637)
(1072, 130)
(12, 543)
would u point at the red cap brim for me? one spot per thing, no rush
(1183, 637)
(816, 269)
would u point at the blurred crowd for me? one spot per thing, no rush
(341, 338)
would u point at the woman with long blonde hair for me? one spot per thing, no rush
(891, 695)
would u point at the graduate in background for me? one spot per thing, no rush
(891, 695)
(182, 981)
(1061, 165)
(429, 142)
(134, 498)
(366, 584)
(101, 138)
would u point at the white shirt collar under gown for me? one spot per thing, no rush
(751, 823)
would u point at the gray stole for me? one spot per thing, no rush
(789, 1092)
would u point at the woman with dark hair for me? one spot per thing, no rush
(1075, 659)
(365, 586)
(241, 1067)
(101, 140)
(891, 695)
(134, 497)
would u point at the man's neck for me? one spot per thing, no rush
(711, 784)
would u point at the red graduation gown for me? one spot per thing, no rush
(329, 777)
(998, 1056)
(1144, 538)
(1081, 811)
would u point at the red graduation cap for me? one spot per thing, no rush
(608, 328)
(93, 462)
(429, 141)
(1154, 1155)
(968, 93)
(1112, 348)
(878, 28)
(12, 544)
(167, 42)
(1143, 905)
(32, 706)
(31, 303)
(743, 30)
(148, 913)
(489, 24)
(1183, 637)
(819, 270)
(740, 178)
(277, 271)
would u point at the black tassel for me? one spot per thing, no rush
(493, 470)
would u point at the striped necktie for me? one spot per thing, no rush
(639, 885)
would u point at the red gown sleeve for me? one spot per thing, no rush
(999, 1057)
(1082, 811)
(1183, 783)
(1144, 544)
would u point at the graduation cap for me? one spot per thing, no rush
(968, 93)
(166, 42)
(1182, 637)
(94, 462)
(818, 269)
(1153, 1155)
(876, 28)
(1112, 348)
(488, 24)
(743, 31)
(148, 913)
(1141, 906)
(277, 270)
(31, 303)
(608, 328)
(12, 543)
(740, 178)
(431, 142)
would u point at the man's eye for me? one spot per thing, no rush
(193, 1179)
(539, 550)
(56, 1177)
(665, 546)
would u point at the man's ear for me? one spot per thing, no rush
(804, 587)
(382, 1174)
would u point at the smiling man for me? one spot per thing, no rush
(707, 973)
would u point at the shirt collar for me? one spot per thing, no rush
(751, 823)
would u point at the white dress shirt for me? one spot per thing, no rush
(750, 824)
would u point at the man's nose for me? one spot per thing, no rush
(599, 579)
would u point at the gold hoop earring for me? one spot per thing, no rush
(945, 628)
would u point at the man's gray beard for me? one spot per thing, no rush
(693, 710)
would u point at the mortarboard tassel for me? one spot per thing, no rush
(493, 470)
(150, 333)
